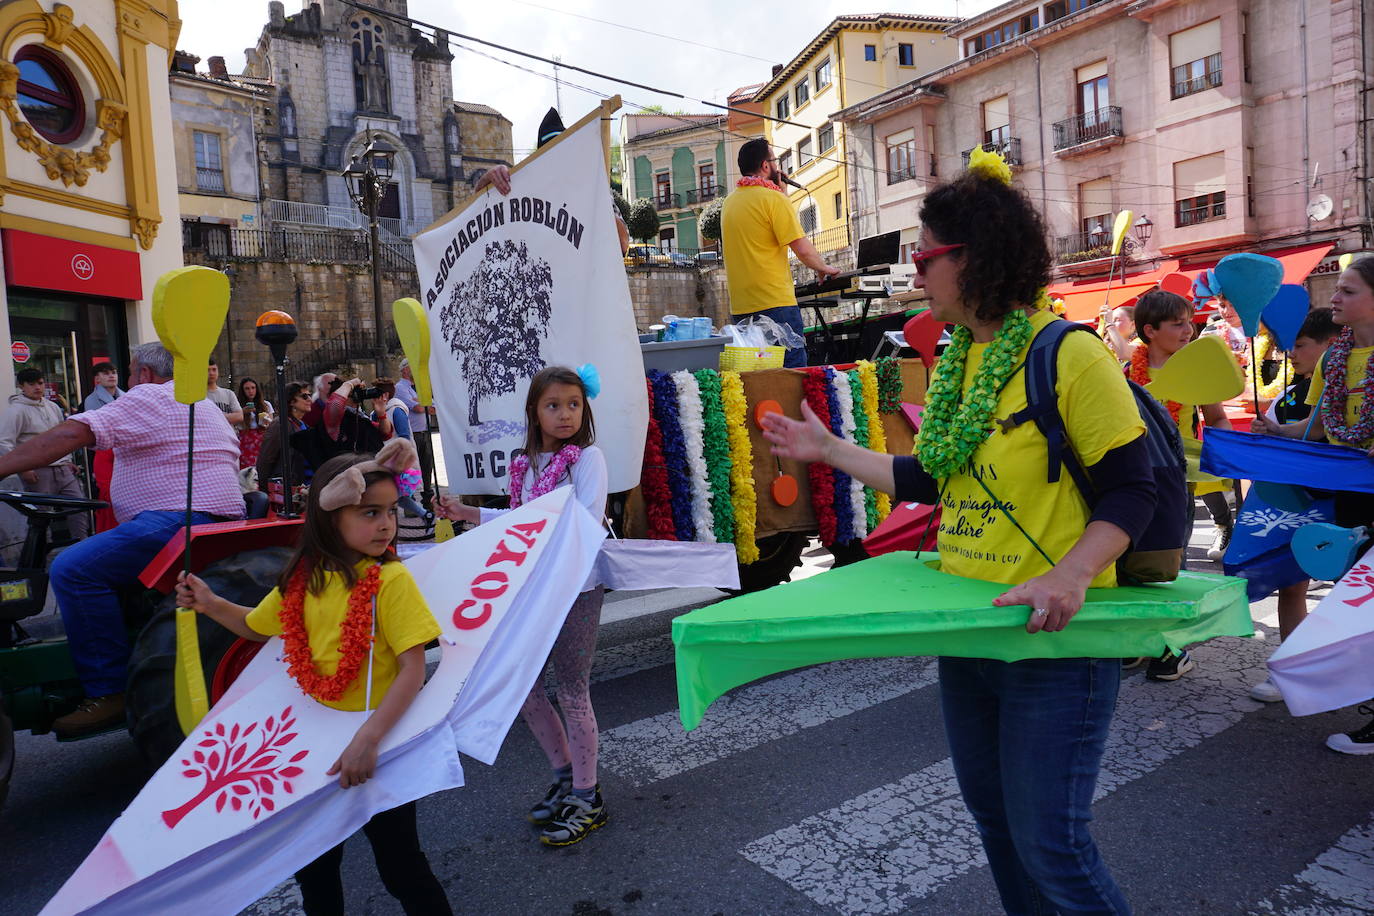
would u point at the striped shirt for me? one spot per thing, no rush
(147, 430)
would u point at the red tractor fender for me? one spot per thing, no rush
(215, 541)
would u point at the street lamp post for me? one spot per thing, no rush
(367, 176)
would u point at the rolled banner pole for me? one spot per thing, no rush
(189, 308)
(412, 327)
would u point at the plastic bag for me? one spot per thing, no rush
(762, 331)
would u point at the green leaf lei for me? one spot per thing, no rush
(952, 431)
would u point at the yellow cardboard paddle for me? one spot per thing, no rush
(1344, 260)
(189, 307)
(1119, 229)
(1204, 372)
(412, 327)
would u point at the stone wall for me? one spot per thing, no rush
(685, 292)
(327, 301)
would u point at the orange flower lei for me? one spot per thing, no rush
(355, 636)
(1140, 374)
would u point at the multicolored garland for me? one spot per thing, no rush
(674, 454)
(856, 393)
(839, 383)
(1139, 372)
(658, 499)
(956, 423)
(877, 437)
(889, 385)
(689, 413)
(820, 475)
(1337, 394)
(717, 453)
(741, 466)
(844, 503)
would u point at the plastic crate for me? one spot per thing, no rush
(745, 359)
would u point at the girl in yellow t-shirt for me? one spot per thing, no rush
(1025, 737)
(354, 625)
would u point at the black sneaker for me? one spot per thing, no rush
(578, 818)
(545, 811)
(1360, 741)
(1170, 666)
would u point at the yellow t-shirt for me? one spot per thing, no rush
(1354, 383)
(756, 226)
(977, 540)
(403, 621)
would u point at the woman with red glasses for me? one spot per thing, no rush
(1026, 737)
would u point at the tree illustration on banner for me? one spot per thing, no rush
(1361, 576)
(1266, 521)
(241, 766)
(495, 320)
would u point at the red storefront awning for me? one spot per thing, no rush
(1084, 298)
(44, 262)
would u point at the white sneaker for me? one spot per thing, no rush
(1219, 545)
(1265, 692)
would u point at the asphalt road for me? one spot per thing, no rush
(826, 790)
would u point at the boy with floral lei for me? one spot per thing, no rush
(985, 262)
(1165, 323)
(1344, 415)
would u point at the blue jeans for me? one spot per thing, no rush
(1026, 739)
(84, 578)
(791, 316)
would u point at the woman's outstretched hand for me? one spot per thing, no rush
(806, 439)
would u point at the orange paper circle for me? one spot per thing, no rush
(763, 409)
(785, 490)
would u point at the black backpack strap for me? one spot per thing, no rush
(1042, 403)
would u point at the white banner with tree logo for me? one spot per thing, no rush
(518, 282)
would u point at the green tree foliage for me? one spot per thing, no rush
(709, 224)
(643, 221)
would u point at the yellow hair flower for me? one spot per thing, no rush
(989, 165)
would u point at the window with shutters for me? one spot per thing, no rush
(901, 156)
(1199, 190)
(1095, 209)
(1195, 59)
(997, 120)
(209, 165)
(870, 52)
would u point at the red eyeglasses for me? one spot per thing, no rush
(921, 258)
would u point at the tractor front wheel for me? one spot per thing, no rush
(150, 697)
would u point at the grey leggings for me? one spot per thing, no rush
(572, 655)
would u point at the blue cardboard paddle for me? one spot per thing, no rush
(1327, 552)
(1249, 282)
(1285, 314)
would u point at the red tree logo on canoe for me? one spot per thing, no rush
(1361, 576)
(241, 766)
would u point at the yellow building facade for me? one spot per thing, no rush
(88, 190)
(852, 59)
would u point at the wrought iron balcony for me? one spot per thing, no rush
(667, 201)
(1010, 150)
(210, 180)
(1082, 246)
(1210, 78)
(700, 195)
(1088, 127)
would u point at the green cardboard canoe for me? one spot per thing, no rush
(900, 605)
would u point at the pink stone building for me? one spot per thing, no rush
(1223, 125)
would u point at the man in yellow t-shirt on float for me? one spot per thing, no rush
(757, 227)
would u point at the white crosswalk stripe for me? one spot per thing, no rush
(906, 840)
(657, 747)
(1339, 882)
